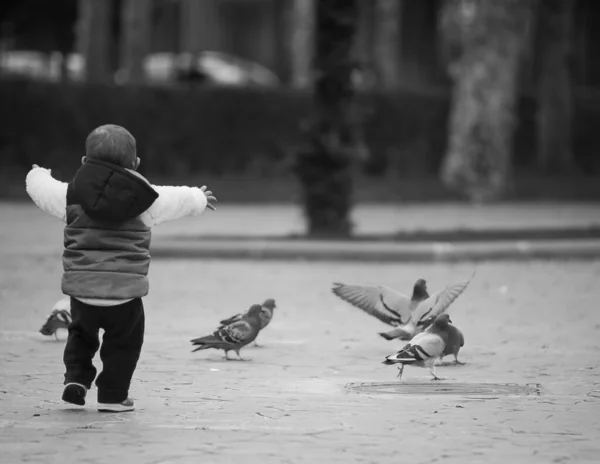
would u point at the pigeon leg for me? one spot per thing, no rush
(227, 355)
(240, 357)
(400, 371)
(432, 370)
(456, 361)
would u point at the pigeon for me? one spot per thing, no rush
(456, 340)
(424, 348)
(59, 318)
(266, 315)
(234, 336)
(406, 314)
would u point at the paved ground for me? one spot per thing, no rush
(218, 234)
(533, 322)
(278, 220)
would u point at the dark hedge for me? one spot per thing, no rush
(239, 131)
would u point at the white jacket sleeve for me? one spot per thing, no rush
(47, 192)
(174, 203)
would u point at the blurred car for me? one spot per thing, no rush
(206, 68)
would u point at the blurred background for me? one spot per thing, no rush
(320, 102)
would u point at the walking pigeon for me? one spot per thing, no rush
(234, 336)
(424, 348)
(59, 318)
(266, 314)
(456, 340)
(407, 315)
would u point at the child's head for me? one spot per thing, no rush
(113, 144)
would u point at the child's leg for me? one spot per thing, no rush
(121, 346)
(82, 344)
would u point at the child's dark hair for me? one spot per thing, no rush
(113, 144)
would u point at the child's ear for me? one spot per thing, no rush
(83, 159)
(137, 164)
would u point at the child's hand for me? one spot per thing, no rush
(209, 198)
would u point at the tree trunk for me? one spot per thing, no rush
(301, 41)
(387, 41)
(137, 18)
(555, 106)
(324, 168)
(200, 25)
(482, 120)
(93, 38)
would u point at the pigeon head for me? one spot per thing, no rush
(442, 320)
(254, 310)
(420, 290)
(269, 304)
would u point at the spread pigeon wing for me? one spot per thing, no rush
(403, 332)
(439, 302)
(384, 303)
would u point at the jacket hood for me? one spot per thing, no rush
(108, 192)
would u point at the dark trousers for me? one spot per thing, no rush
(121, 346)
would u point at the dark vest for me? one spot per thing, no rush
(107, 246)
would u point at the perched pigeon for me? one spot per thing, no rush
(266, 314)
(408, 315)
(59, 318)
(424, 348)
(234, 336)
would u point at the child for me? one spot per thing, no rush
(109, 209)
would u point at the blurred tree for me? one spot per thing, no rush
(200, 25)
(136, 38)
(486, 38)
(555, 106)
(40, 25)
(94, 39)
(324, 167)
(387, 41)
(301, 17)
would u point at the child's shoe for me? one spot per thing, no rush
(74, 393)
(124, 406)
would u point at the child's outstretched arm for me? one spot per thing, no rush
(177, 202)
(47, 192)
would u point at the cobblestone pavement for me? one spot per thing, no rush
(524, 323)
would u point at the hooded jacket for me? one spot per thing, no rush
(107, 245)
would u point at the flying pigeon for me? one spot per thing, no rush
(234, 336)
(266, 314)
(59, 318)
(424, 348)
(406, 314)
